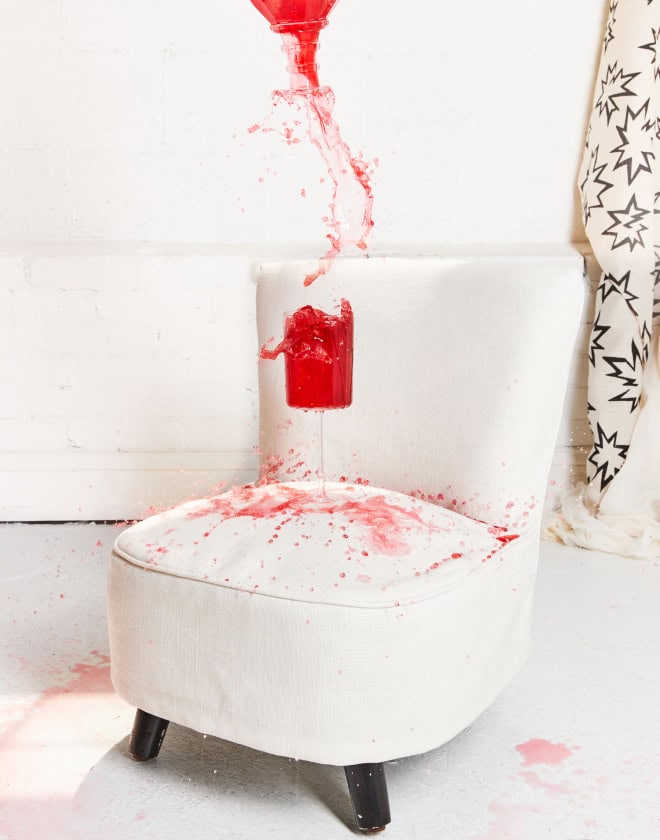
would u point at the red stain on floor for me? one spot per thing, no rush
(553, 789)
(85, 678)
(540, 751)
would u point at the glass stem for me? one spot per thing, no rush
(321, 464)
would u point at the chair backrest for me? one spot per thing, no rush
(460, 374)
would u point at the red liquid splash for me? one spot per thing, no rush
(318, 350)
(388, 526)
(350, 221)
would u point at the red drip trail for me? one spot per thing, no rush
(507, 538)
(500, 532)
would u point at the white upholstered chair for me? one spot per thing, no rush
(377, 623)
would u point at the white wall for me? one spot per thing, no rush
(128, 120)
(128, 379)
(125, 123)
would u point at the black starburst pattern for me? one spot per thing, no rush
(598, 330)
(610, 284)
(653, 47)
(627, 227)
(607, 456)
(611, 21)
(612, 87)
(653, 126)
(645, 336)
(593, 186)
(631, 156)
(616, 185)
(656, 287)
(628, 371)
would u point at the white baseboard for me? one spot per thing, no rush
(117, 485)
(131, 485)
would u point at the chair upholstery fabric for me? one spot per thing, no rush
(459, 375)
(321, 633)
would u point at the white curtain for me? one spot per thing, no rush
(617, 509)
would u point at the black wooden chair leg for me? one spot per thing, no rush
(368, 788)
(147, 735)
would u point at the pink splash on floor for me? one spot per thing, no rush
(77, 709)
(86, 678)
(540, 751)
(551, 788)
(509, 821)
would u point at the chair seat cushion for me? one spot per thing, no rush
(360, 627)
(355, 546)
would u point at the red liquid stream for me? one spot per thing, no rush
(350, 220)
(318, 350)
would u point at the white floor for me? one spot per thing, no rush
(571, 751)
